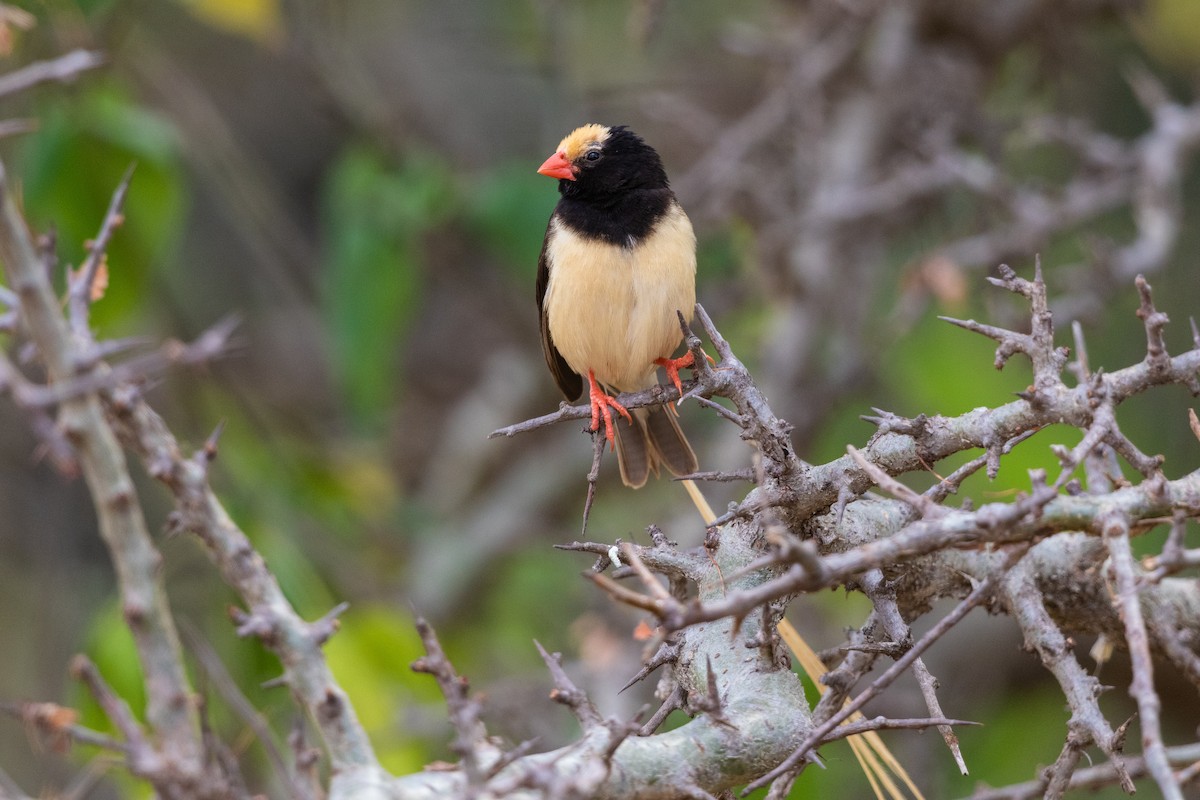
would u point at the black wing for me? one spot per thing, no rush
(568, 380)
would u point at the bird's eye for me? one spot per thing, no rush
(593, 155)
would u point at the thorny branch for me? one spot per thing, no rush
(100, 408)
(925, 548)
(787, 537)
(838, 159)
(802, 528)
(169, 710)
(979, 595)
(1116, 537)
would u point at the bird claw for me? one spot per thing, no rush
(601, 404)
(673, 365)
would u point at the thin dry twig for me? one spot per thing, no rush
(978, 595)
(889, 616)
(1095, 777)
(63, 69)
(847, 729)
(215, 671)
(122, 525)
(82, 284)
(566, 692)
(1087, 724)
(57, 724)
(470, 735)
(1141, 689)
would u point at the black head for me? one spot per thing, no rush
(604, 163)
(613, 184)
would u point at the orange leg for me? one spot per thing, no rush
(601, 403)
(673, 365)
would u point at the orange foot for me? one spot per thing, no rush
(673, 365)
(601, 403)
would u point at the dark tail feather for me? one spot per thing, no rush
(668, 445)
(633, 452)
(653, 438)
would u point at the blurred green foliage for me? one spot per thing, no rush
(507, 208)
(374, 215)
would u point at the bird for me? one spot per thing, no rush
(617, 264)
(617, 267)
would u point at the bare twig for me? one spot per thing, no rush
(888, 613)
(1027, 607)
(237, 701)
(122, 524)
(566, 692)
(883, 723)
(1095, 777)
(592, 477)
(668, 652)
(923, 505)
(63, 69)
(58, 725)
(673, 701)
(978, 595)
(1116, 537)
(82, 284)
(208, 346)
(1155, 321)
(470, 740)
(142, 758)
(1174, 556)
(270, 615)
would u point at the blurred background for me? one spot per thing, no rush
(356, 180)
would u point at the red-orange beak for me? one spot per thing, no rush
(557, 166)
